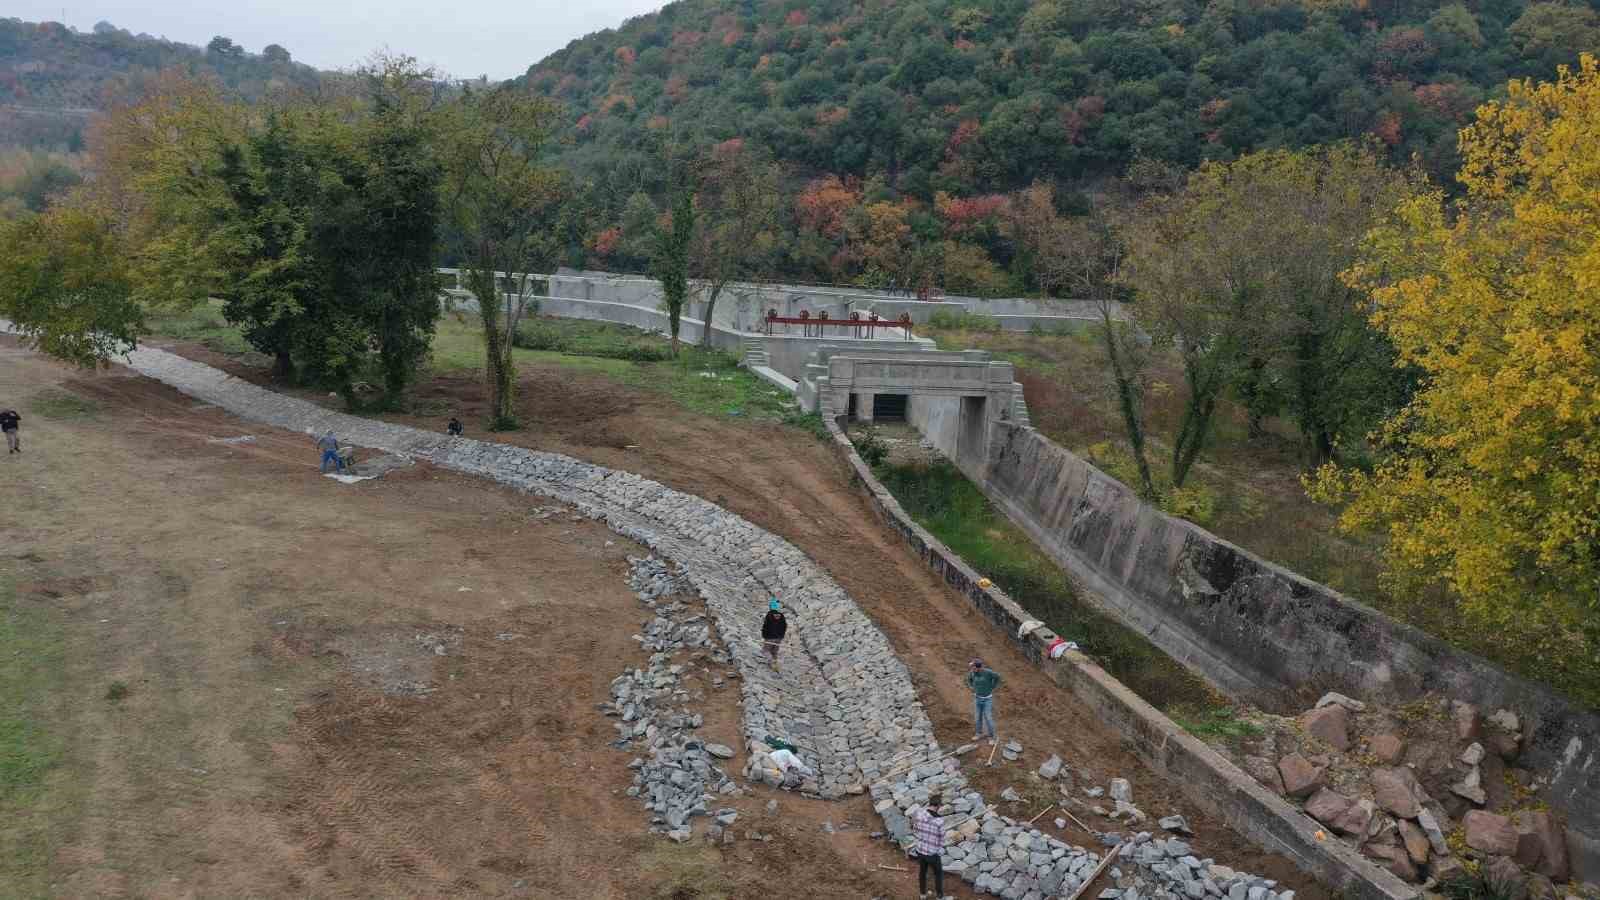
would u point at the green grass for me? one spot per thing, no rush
(203, 324)
(32, 661)
(1218, 723)
(942, 500)
(58, 404)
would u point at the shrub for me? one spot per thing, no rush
(944, 319)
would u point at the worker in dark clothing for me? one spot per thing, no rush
(454, 429)
(10, 421)
(773, 628)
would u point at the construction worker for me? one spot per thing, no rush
(10, 421)
(773, 628)
(454, 429)
(329, 445)
(927, 826)
(983, 681)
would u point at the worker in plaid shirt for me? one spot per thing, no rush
(928, 828)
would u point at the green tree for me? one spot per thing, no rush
(669, 263)
(504, 202)
(64, 285)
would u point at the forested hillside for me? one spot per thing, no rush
(978, 96)
(52, 77)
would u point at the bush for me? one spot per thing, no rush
(872, 449)
(945, 319)
(810, 423)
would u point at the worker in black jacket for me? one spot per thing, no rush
(9, 422)
(773, 628)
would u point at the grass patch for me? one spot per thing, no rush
(202, 324)
(32, 658)
(942, 500)
(1217, 723)
(685, 872)
(58, 404)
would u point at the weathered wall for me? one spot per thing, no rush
(1206, 778)
(939, 420)
(1262, 632)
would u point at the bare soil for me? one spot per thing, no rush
(381, 689)
(796, 486)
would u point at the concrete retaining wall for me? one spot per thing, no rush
(1261, 632)
(1207, 779)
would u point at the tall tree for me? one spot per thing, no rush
(1491, 473)
(736, 219)
(669, 261)
(504, 202)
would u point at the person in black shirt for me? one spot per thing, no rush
(454, 429)
(773, 628)
(10, 420)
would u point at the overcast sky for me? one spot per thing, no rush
(465, 38)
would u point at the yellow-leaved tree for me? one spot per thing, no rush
(1489, 481)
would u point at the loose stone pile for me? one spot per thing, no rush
(843, 700)
(680, 778)
(1011, 859)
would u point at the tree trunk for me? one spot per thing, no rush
(283, 365)
(1128, 400)
(1196, 423)
(674, 314)
(711, 309)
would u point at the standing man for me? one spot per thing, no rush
(928, 828)
(983, 680)
(10, 421)
(773, 628)
(329, 445)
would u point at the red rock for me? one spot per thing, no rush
(1553, 861)
(1490, 833)
(1387, 748)
(1357, 820)
(1328, 806)
(1395, 859)
(1448, 870)
(1468, 721)
(1330, 725)
(1392, 789)
(1300, 777)
(1415, 841)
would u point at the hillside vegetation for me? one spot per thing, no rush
(53, 77)
(977, 96)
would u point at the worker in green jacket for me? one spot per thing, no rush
(983, 681)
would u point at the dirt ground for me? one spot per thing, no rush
(385, 689)
(796, 486)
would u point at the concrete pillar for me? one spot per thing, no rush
(864, 406)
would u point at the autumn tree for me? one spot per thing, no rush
(1490, 475)
(505, 205)
(736, 219)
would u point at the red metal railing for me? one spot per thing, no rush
(813, 326)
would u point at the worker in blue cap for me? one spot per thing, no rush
(773, 628)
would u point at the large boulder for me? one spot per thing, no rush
(1330, 725)
(1471, 787)
(1541, 830)
(1050, 768)
(1328, 806)
(1490, 833)
(1396, 791)
(1357, 820)
(1263, 770)
(1300, 777)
